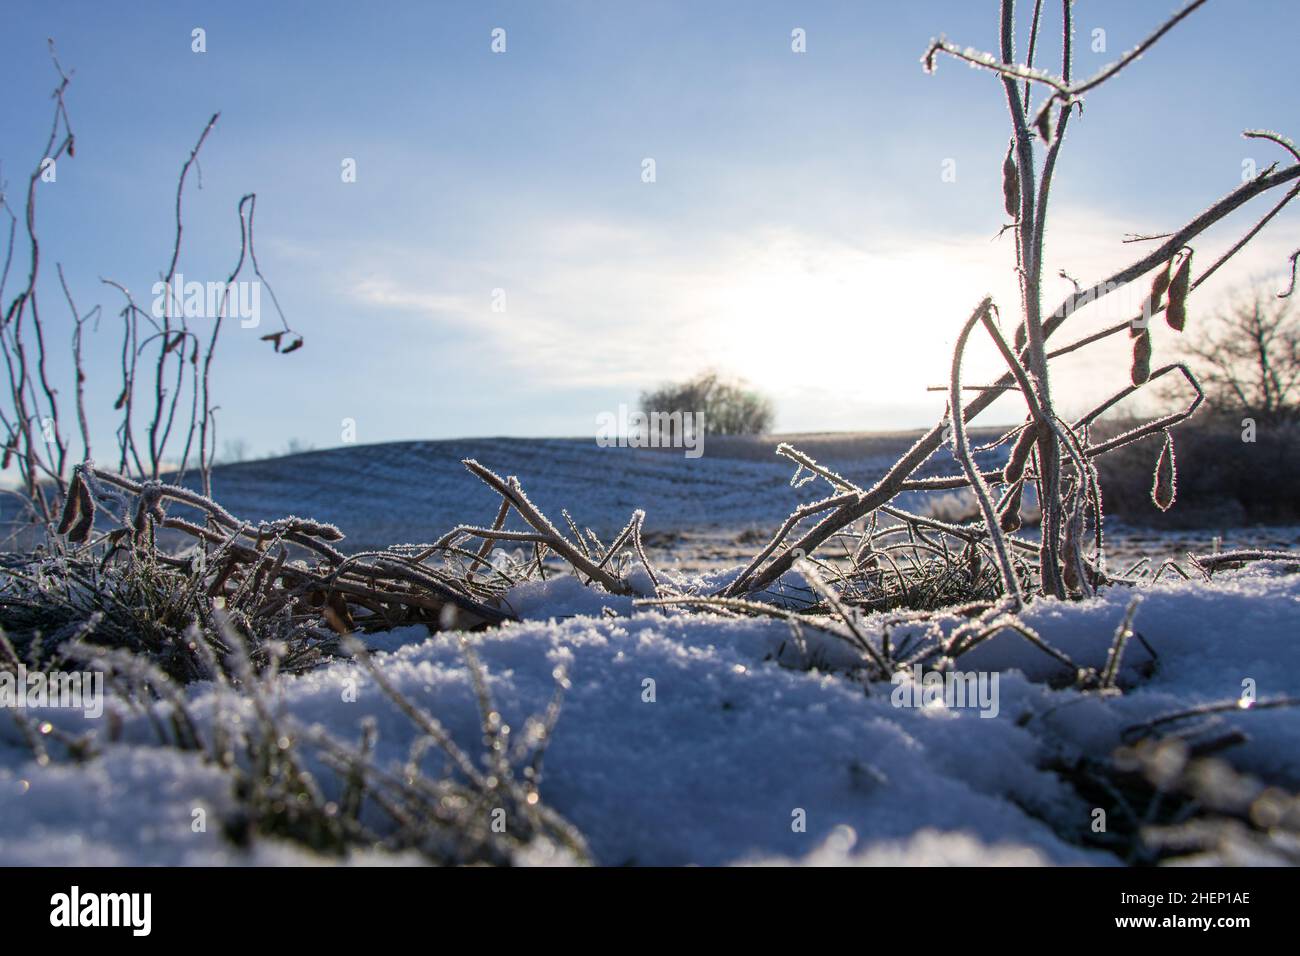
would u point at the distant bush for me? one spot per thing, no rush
(1221, 478)
(729, 407)
(234, 450)
(1236, 461)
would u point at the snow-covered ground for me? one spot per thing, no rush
(703, 513)
(403, 491)
(693, 738)
(718, 767)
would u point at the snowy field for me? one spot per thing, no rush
(705, 513)
(754, 748)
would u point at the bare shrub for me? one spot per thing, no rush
(163, 402)
(1061, 455)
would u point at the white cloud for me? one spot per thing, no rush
(842, 334)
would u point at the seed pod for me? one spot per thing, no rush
(1011, 184)
(1070, 570)
(1020, 454)
(1160, 283)
(1009, 514)
(121, 400)
(1022, 336)
(1158, 286)
(1176, 314)
(1141, 369)
(292, 346)
(1164, 486)
(1044, 125)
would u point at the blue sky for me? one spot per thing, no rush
(799, 232)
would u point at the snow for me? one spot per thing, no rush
(415, 491)
(925, 848)
(733, 747)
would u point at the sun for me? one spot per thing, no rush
(800, 312)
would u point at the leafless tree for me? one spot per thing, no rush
(1248, 357)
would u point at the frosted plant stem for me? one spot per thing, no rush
(961, 449)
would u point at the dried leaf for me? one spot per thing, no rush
(292, 346)
(71, 505)
(86, 507)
